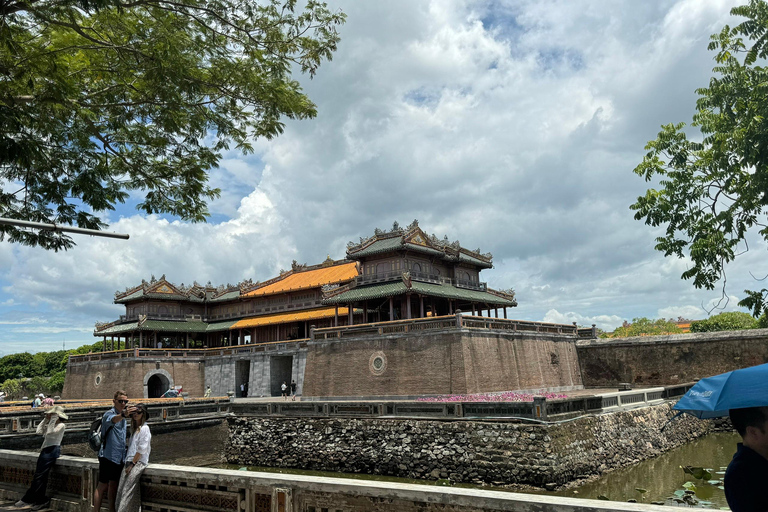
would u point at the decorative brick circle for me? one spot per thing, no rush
(377, 363)
(97, 380)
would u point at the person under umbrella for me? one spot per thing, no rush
(743, 396)
(52, 427)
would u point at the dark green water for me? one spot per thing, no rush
(660, 477)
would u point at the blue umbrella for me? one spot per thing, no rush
(713, 396)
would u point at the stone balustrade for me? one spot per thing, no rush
(190, 489)
(18, 425)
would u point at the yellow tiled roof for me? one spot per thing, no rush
(294, 316)
(308, 279)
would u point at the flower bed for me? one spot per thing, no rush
(506, 396)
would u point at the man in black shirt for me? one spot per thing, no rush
(747, 474)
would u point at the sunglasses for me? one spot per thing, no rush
(122, 402)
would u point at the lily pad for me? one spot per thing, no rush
(690, 486)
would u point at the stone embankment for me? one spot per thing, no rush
(487, 452)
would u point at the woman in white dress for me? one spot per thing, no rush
(136, 460)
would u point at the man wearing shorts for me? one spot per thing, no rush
(112, 453)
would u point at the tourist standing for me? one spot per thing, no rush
(37, 402)
(284, 388)
(136, 461)
(52, 427)
(112, 452)
(47, 401)
(242, 389)
(207, 392)
(748, 471)
(293, 390)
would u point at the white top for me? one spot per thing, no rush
(52, 430)
(140, 443)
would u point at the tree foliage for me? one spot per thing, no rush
(644, 327)
(100, 99)
(26, 374)
(728, 321)
(713, 193)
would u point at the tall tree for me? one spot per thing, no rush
(713, 193)
(100, 99)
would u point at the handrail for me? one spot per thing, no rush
(457, 321)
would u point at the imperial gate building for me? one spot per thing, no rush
(363, 325)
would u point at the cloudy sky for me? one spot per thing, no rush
(509, 126)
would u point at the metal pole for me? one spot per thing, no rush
(61, 228)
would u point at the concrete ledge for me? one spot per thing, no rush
(173, 486)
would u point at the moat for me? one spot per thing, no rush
(662, 477)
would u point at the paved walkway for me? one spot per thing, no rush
(7, 506)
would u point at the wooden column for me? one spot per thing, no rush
(421, 306)
(450, 307)
(240, 337)
(365, 312)
(391, 309)
(350, 314)
(473, 309)
(154, 334)
(505, 311)
(141, 339)
(336, 317)
(496, 312)
(408, 306)
(186, 343)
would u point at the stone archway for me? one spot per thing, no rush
(157, 382)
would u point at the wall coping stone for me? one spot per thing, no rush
(696, 337)
(472, 499)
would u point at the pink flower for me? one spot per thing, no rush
(506, 396)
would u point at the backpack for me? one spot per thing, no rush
(95, 440)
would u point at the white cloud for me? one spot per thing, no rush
(604, 322)
(24, 321)
(510, 126)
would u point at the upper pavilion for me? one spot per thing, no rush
(406, 273)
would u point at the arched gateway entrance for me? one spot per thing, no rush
(157, 382)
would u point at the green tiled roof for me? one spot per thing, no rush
(393, 243)
(171, 326)
(226, 296)
(379, 291)
(378, 247)
(138, 294)
(220, 326)
(117, 329)
(135, 295)
(426, 250)
(361, 293)
(452, 292)
(465, 258)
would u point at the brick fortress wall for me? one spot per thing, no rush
(447, 362)
(129, 375)
(664, 360)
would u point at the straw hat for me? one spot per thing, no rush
(58, 411)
